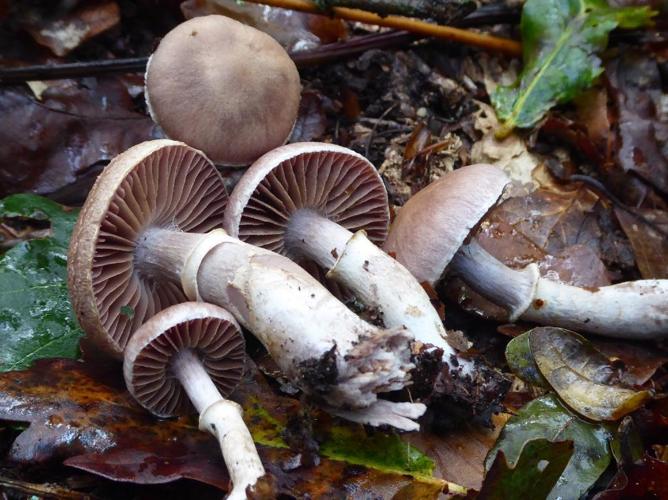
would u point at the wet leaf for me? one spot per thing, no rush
(67, 136)
(63, 34)
(536, 471)
(561, 40)
(636, 362)
(649, 246)
(36, 318)
(460, 453)
(636, 90)
(582, 376)
(521, 361)
(546, 418)
(643, 480)
(81, 413)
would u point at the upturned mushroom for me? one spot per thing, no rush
(223, 87)
(192, 354)
(140, 245)
(328, 204)
(428, 234)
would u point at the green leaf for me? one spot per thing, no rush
(538, 468)
(521, 361)
(349, 443)
(385, 452)
(581, 375)
(560, 41)
(36, 317)
(547, 418)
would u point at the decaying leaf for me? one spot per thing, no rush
(536, 471)
(646, 479)
(560, 41)
(521, 361)
(36, 318)
(636, 87)
(459, 454)
(649, 245)
(82, 414)
(65, 33)
(581, 376)
(546, 418)
(636, 362)
(66, 137)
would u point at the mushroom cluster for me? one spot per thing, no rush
(156, 281)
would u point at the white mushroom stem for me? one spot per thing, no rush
(317, 342)
(373, 276)
(222, 418)
(634, 310)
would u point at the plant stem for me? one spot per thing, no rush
(483, 41)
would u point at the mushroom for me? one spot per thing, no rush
(194, 353)
(223, 87)
(430, 229)
(134, 251)
(328, 204)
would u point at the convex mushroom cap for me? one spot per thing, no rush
(223, 87)
(433, 224)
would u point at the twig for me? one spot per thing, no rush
(41, 490)
(600, 188)
(324, 53)
(71, 70)
(480, 40)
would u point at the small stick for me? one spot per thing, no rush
(480, 40)
(325, 53)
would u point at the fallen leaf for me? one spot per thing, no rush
(36, 318)
(649, 246)
(561, 42)
(546, 418)
(534, 474)
(644, 480)
(63, 34)
(522, 363)
(81, 413)
(582, 376)
(635, 362)
(636, 89)
(511, 154)
(459, 454)
(564, 231)
(74, 128)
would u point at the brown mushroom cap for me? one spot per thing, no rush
(223, 87)
(434, 223)
(156, 184)
(334, 181)
(208, 330)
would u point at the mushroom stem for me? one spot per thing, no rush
(373, 276)
(317, 342)
(635, 309)
(222, 418)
